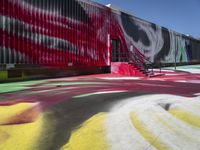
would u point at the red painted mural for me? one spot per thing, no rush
(63, 33)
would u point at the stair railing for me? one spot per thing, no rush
(140, 60)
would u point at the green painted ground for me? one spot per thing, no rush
(17, 86)
(185, 67)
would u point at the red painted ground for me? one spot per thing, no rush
(68, 102)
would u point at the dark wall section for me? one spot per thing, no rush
(133, 30)
(66, 8)
(158, 44)
(166, 46)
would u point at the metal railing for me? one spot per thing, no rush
(138, 59)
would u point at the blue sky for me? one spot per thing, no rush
(179, 15)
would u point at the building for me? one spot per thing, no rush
(70, 37)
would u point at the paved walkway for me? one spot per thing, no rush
(100, 112)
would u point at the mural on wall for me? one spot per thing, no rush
(178, 49)
(158, 44)
(53, 32)
(75, 32)
(146, 38)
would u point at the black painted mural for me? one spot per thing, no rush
(159, 44)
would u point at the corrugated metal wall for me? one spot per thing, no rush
(75, 33)
(53, 32)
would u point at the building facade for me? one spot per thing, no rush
(80, 36)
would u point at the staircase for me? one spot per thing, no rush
(139, 70)
(140, 63)
(134, 63)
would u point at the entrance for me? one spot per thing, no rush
(115, 45)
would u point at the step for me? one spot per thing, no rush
(156, 75)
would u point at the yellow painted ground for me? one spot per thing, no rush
(8, 112)
(152, 139)
(22, 136)
(90, 136)
(186, 116)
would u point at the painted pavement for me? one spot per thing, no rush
(103, 112)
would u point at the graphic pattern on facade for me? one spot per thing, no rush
(76, 33)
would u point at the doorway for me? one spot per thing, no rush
(115, 46)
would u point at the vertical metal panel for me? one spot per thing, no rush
(43, 46)
(87, 34)
(82, 38)
(45, 26)
(1, 54)
(95, 47)
(4, 42)
(9, 50)
(23, 34)
(34, 28)
(28, 45)
(57, 13)
(64, 32)
(75, 36)
(5, 37)
(60, 34)
(92, 43)
(69, 53)
(88, 51)
(52, 30)
(56, 31)
(72, 34)
(60, 48)
(28, 32)
(31, 36)
(19, 34)
(1, 38)
(8, 40)
(79, 37)
(42, 41)
(38, 31)
(83, 42)
(12, 33)
(1, 35)
(87, 27)
(92, 18)
(97, 38)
